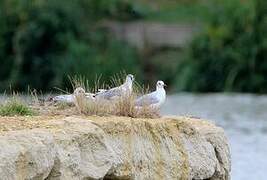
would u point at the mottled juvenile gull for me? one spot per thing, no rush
(80, 99)
(64, 98)
(154, 99)
(124, 89)
(69, 98)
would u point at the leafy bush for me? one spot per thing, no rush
(41, 42)
(230, 55)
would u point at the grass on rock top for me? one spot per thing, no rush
(121, 106)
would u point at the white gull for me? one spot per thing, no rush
(122, 90)
(154, 99)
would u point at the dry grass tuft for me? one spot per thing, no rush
(80, 81)
(148, 112)
(63, 106)
(124, 106)
(99, 108)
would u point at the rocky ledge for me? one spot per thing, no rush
(76, 147)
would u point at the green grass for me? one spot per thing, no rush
(14, 107)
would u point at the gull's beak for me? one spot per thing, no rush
(165, 85)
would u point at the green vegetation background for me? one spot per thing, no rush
(42, 42)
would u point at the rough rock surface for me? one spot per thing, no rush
(70, 148)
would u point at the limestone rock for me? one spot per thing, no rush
(115, 148)
(26, 155)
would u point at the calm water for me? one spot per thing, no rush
(244, 118)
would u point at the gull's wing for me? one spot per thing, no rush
(108, 94)
(90, 95)
(64, 98)
(148, 99)
(101, 90)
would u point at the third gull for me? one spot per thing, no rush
(154, 99)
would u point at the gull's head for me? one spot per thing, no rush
(79, 91)
(160, 85)
(129, 78)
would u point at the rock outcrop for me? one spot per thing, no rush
(70, 148)
(143, 35)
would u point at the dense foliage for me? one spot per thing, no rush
(231, 53)
(42, 42)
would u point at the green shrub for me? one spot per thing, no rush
(42, 42)
(15, 107)
(104, 59)
(230, 55)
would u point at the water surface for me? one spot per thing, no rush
(244, 118)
